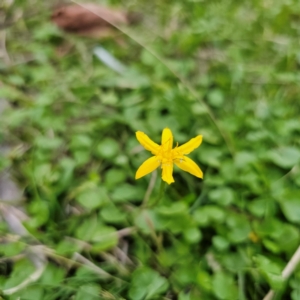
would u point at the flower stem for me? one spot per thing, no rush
(161, 192)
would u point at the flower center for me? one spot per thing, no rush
(167, 157)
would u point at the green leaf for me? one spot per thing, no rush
(210, 213)
(93, 198)
(271, 270)
(223, 196)
(20, 272)
(126, 192)
(185, 274)
(192, 235)
(107, 148)
(81, 156)
(146, 284)
(262, 207)
(43, 174)
(288, 238)
(295, 285)
(109, 98)
(244, 158)
(86, 228)
(104, 238)
(172, 210)
(30, 292)
(268, 227)
(220, 243)
(10, 249)
(81, 141)
(53, 275)
(48, 143)
(210, 156)
(224, 287)
(271, 245)
(114, 176)
(88, 292)
(216, 98)
(176, 218)
(285, 157)
(184, 296)
(39, 210)
(239, 228)
(204, 280)
(235, 262)
(148, 221)
(112, 214)
(290, 206)
(67, 247)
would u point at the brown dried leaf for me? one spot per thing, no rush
(89, 19)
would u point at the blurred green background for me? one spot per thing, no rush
(229, 70)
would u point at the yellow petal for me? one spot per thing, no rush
(167, 173)
(147, 167)
(190, 145)
(188, 165)
(167, 139)
(147, 143)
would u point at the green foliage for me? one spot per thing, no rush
(146, 284)
(228, 70)
(224, 287)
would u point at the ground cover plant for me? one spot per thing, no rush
(83, 227)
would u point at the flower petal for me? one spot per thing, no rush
(188, 165)
(191, 145)
(167, 173)
(167, 139)
(147, 167)
(147, 143)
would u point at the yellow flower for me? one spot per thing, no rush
(165, 156)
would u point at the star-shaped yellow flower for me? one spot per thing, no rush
(165, 156)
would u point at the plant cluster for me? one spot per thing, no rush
(226, 70)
